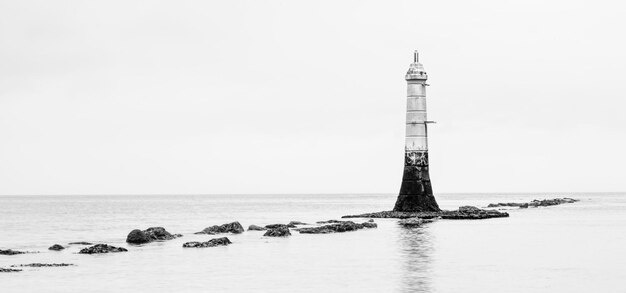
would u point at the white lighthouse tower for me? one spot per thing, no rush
(416, 192)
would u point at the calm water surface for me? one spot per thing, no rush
(569, 248)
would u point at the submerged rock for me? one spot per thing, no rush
(80, 243)
(10, 252)
(151, 234)
(39, 265)
(256, 228)
(534, 203)
(343, 226)
(211, 243)
(278, 232)
(471, 213)
(233, 227)
(56, 247)
(3, 270)
(102, 248)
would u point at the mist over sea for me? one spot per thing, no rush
(575, 247)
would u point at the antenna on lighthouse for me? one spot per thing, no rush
(416, 57)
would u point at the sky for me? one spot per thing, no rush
(204, 97)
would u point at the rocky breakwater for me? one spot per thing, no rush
(337, 227)
(102, 248)
(535, 203)
(463, 213)
(151, 234)
(223, 241)
(233, 227)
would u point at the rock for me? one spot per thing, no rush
(551, 202)
(151, 234)
(3, 270)
(469, 209)
(278, 232)
(275, 226)
(10, 252)
(233, 227)
(56, 247)
(256, 228)
(397, 215)
(39, 265)
(369, 225)
(294, 223)
(471, 213)
(534, 203)
(340, 227)
(464, 213)
(329, 222)
(102, 248)
(211, 243)
(80, 243)
(138, 237)
(411, 222)
(414, 222)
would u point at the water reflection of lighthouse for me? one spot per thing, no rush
(416, 192)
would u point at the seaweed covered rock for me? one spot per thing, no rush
(10, 252)
(56, 247)
(223, 241)
(151, 234)
(233, 227)
(343, 226)
(256, 228)
(102, 248)
(278, 232)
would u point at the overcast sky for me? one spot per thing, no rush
(142, 97)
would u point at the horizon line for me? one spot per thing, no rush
(295, 193)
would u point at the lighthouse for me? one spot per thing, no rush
(416, 191)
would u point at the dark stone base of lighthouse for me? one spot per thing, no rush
(416, 199)
(416, 192)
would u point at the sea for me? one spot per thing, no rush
(578, 247)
